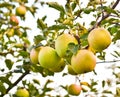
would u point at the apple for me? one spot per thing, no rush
(48, 57)
(70, 70)
(74, 89)
(34, 55)
(21, 10)
(84, 61)
(59, 67)
(99, 39)
(22, 93)
(61, 44)
(13, 20)
(10, 32)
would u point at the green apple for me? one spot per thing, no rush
(70, 70)
(61, 44)
(99, 39)
(34, 55)
(48, 57)
(59, 67)
(10, 32)
(84, 61)
(21, 10)
(74, 89)
(22, 93)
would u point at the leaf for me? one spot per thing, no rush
(5, 80)
(103, 83)
(2, 88)
(57, 27)
(107, 91)
(56, 6)
(9, 63)
(41, 24)
(38, 39)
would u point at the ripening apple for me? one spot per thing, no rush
(70, 70)
(99, 39)
(48, 57)
(84, 61)
(61, 44)
(22, 93)
(34, 55)
(21, 10)
(13, 20)
(74, 89)
(59, 66)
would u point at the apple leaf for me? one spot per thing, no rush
(2, 88)
(57, 27)
(56, 6)
(9, 63)
(41, 24)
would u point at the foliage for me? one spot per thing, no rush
(16, 69)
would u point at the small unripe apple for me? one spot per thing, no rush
(74, 89)
(13, 20)
(61, 44)
(84, 61)
(34, 55)
(21, 10)
(70, 70)
(99, 39)
(10, 32)
(48, 57)
(59, 67)
(22, 93)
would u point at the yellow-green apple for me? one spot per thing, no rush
(74, 89)
(34, 55)
(10, 32)
(99, 39)
(84, 61)
(48, 57)
(59, 66)
(21, 10)
(61, 43)
(13, 20)
(22, 93)
(70, 70)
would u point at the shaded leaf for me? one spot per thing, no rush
(9, 63)
(57, 27)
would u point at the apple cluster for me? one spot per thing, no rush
(54, 59)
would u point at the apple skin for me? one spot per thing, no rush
(84, 61)
(34, 55)
(70, 70)
(21, 10)
(13, 20)
(61, 44)
(99, 39)
(48, 57)
(74, 89)
(59, 67)
(22, 93)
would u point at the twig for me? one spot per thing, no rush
(105, 16)
(16, 82)
(108, 61)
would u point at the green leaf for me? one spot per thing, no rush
(107, 91)
(41, 24)
(57, 27)
(9, 63)
(103, 83)
(38, 39)
(56, 6)
(2, 88)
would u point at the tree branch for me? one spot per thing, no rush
(105, 16)
(16, 82)
(108, 61)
